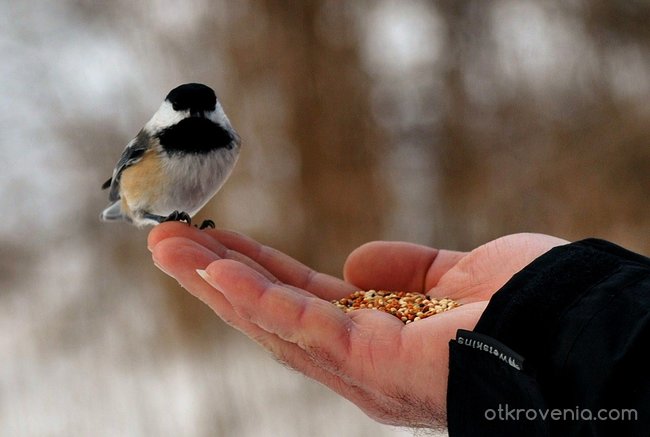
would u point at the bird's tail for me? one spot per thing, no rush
(113, 212)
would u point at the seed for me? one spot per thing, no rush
(408, 307)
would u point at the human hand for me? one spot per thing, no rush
(396, 373)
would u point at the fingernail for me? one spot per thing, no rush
(161, 268)
(203, 274)
(209, 279)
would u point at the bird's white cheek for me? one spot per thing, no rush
(164, 117)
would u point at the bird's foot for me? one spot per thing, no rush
(179, 216)
(206, 224)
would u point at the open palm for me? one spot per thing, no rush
(396, 373)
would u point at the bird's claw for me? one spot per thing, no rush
(206, 224)
(179, 216)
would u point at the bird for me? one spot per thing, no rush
(176, 163)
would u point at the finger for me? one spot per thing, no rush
(397, 266)
(283, 267)
(315, 325)
(181, 258)
(488, 267)
(324, 333)
(175, 229)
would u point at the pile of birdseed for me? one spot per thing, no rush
(406, 306)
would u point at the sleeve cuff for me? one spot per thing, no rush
(553, 337)
(526, 311)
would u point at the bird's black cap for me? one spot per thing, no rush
(193, 96)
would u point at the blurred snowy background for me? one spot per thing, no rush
(445, 123)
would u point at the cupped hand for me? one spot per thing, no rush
(395, 373)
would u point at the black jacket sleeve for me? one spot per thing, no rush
(563, 349)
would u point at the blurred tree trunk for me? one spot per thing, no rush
(313, 53)
(459, 160)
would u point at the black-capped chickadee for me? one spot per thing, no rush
(176, 163)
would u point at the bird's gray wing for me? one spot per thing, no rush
(132, 154)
